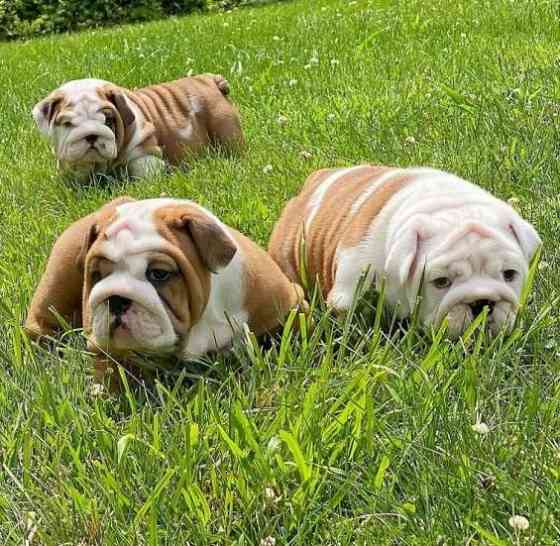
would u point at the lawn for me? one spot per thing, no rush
(351, 435)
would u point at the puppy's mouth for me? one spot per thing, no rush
(118, 325)
(121, 324)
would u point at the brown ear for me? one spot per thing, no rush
(45, 110)
(60, 287)
(116, 97)
(215, 248)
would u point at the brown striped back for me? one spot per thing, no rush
(334, 224)
(189, 113)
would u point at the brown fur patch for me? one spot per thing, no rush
(269, 294)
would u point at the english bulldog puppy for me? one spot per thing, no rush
(421, 231)
(159, 276)
(96, 126)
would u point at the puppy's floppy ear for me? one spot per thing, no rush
(402, 256)
(60, 287)
(215, 247)
(45, 110)
(526, 235)
(117, 98)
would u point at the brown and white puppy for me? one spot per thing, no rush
(471, 249)
(96, 126)
(159, 276)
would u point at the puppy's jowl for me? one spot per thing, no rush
(160, 276)
(96, 126)
(404, 225)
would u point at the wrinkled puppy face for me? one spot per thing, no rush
(146, 278)
(478, 272)
(467, 270)
(86, 121)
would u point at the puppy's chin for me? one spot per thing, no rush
(138, 330)
(80, 155)
(460, 317)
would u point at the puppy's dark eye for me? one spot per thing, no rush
(510, 275)
(67, 124)
(109, 121)
(158, 276)
(442, 282)
(96, 277)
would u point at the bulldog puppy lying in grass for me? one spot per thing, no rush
(160, 277)
(96, 126)
(420, 231)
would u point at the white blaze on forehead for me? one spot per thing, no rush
(76, 88)
(134, 229)
(319, 193)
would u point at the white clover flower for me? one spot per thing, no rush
(267, 169)
(410, 140)
(304, 154)
(270, 496)
(331, 117)
(97, 389)
(268, 541)
(282, 120)
(481, 428)
(314, 60)
(519, 523)
(276, 38)
(334, 62)
(273, 444)
(291, 83)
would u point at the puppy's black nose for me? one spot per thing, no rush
(478, 306)
(91, 139)
(119, 305)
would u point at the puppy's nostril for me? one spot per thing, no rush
(91, 139)
(118, 305)
(478, 306)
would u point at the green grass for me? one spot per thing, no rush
(347, 436)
